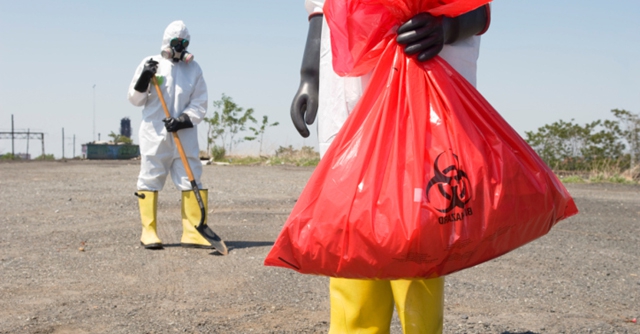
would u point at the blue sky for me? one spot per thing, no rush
(540, 61)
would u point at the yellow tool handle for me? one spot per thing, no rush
(202, 228)
(183, 156)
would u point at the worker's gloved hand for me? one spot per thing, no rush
(423, 34)
(174, 124)
(426, 35)
(305, 103)
(149, 70)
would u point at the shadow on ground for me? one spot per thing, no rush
(247, 244)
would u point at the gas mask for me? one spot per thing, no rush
(178, 51)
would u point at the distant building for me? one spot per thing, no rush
(125, 127)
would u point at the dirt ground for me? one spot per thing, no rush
(70, 261)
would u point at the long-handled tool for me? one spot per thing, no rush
(202, 228)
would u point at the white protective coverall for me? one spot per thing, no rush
(360, 305)
(184, 91)
(339, 95)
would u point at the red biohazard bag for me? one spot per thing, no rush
(425, 178)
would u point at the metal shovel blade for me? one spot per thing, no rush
(212, 238)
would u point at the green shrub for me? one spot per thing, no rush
(573, 179)
(306, 156)
(9, 156)
(218, 153)
(618, 179)
(47, 157)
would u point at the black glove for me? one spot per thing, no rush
(305, 103)
(426, 35)
(149, 70)
(174, 124)
(423, 34)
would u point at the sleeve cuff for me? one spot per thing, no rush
(314, 14)
(487, 9)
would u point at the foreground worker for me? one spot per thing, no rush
(366, 306)
(183, 87)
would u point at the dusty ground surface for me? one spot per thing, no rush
(583, 277)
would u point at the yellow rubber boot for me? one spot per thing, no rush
(148, 202)
(420, 304)
(360, 306)
(191, 218)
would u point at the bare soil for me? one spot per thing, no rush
(70, 261)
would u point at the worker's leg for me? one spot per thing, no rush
(420, 304)
(360, 306)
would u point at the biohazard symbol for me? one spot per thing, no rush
(450, 182)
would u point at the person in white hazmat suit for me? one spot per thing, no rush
(360, 305)
(185, 92)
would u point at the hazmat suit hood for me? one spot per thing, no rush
(175, 29)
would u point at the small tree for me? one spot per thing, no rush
(215, 131)
(604, 144)
(120, 139)
(631, 133)
(231, 119)
(557, 142)
(259, 132)
(564, 145)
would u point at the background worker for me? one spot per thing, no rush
(362, 305)
(185, 93)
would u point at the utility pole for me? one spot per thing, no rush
(21, 135)
(62, 143)
(635, 125)
(94, 112)
(13, 153)
(74, 147)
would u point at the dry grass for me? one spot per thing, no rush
(306, 156)
(600, 174)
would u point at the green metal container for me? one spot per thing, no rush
(109, 151)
